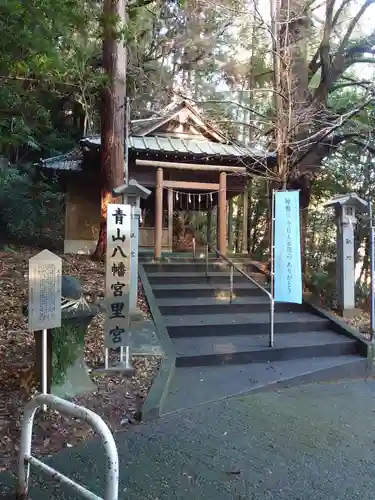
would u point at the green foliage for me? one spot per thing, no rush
(31, 209)
(322, 286)
(67, 346)
(45, 66)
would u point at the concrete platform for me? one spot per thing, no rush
(213, 383)
(315, 442)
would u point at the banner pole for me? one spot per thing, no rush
(272, 239)
(372, 276)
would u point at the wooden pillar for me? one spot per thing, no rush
(209, 225)
(245, 238)
(222, 214)
(216, 213)
(170, 218)
(230, 224)
(158, 214)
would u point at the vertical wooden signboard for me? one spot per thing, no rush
(117, 282)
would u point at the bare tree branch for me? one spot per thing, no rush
(319, 138)
(353, 23)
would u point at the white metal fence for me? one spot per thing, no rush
(72, 410)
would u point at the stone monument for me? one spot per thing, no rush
(346, 207)
(133, 192)
(59, 316)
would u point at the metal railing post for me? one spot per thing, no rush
(269, 295)
(272, 322)
(71, 409)
(272, 242)
(231, 283)
(206, 248)
(232, 267)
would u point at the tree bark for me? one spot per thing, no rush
(112, 112)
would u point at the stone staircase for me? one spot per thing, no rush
(222, 347)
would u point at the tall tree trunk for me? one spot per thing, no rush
(112, 112)
(251, 86)
(366, 262)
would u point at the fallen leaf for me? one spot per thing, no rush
(114, 397)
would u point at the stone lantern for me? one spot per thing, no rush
(346, 208)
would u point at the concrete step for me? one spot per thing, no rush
(218, 325)
(195, 266)
(206, 290)
(211, 305)
(213, 383)
(241, 349)
(214, 277)
(183, 257)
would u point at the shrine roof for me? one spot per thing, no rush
(68, 161)
(348, 199)
(179, 129)
(154, 144)
(187, 145)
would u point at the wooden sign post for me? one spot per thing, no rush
(136, 213)
(45, 271)
(117, 287)
(133, 192)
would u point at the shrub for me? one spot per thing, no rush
(31, 208)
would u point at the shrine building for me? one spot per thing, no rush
(186, 162)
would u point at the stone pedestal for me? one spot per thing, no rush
(67, 375)
(70, 376)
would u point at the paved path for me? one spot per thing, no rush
(310, 443)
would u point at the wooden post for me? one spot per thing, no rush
(209, 225)
(222, 214)
(158, 214)
(230, 224)
(217, 223)
(170, 219)
(245, 238)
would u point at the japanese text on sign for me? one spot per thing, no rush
(119, 253)
(287, 253)
(44, 291)
(117, 333)
(289, 248)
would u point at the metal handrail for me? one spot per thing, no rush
(252, 280)
(75, 411)
(233, 266)
(230, 262)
